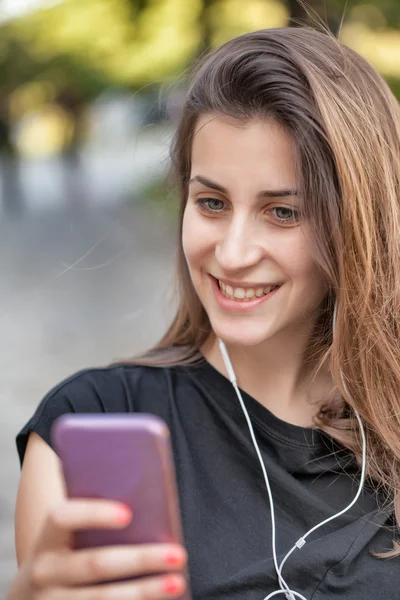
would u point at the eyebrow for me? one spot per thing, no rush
(262, 194)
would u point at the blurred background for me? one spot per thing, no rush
(89, 95)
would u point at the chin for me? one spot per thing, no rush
(241, 335)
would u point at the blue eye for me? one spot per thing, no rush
(212, 205)
(285, 214)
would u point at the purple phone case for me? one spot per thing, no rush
(126, 458)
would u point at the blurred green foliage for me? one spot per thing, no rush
(95, 44)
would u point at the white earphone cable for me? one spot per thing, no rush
(285, 589)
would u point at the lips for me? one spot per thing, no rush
(245, 304)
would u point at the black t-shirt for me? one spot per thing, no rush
(224, 502)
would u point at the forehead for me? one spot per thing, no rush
(263, 152)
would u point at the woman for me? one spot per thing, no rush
(287, 154)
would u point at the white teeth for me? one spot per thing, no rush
(239, 293)
(244, 294)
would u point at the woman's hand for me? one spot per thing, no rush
(57, 572)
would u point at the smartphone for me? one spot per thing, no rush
(123, 457)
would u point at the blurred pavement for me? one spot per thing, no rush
(80, 286)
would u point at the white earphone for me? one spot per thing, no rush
(284, 588)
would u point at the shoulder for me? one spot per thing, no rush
(121, 388)
(103, 389)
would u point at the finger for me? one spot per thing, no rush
(89, 566)
(150, 588)
(74, 515)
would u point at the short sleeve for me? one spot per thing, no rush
(88, 391)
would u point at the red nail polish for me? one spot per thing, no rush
(123, 515)
(174, 559)
(173, 586)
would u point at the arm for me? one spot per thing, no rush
(40, 490)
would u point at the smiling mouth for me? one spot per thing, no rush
(245, 294)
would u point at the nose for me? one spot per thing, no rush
(238, 248)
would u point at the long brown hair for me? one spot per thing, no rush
(346, 126)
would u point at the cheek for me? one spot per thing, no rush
(197, 239)
(313, 284)
(302, 269)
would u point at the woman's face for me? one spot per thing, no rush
(246, 244)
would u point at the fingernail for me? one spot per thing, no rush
(174, 558)
(173, 585)
(123, 514)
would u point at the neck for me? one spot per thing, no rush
(277, 375)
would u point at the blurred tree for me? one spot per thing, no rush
(206, 27)
(125, 42)
(334, 12)
(94, 44)
(230, 18)
(329, 12)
